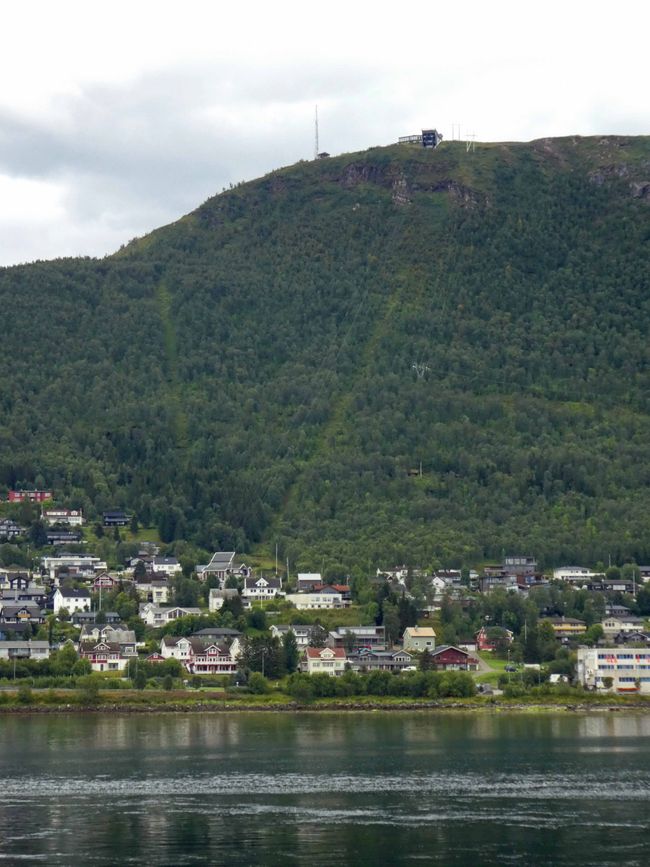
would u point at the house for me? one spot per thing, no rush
(302, 633)
(199, 656)
(114, 634)
(217, 597)
(21, 612)
(63, 537)
(616, 669)
(357, 637)
(448, 577)
(574, 574)
(83, 565)
(10, 529)
(166, 566)
(222, 566)
(631, 638)
(261, 589)
(25, 593)
(602, 584)
(116, 518)
(614, 625)
(72, 599)
(217, 633)
(566, 627)
(10, 579)
(153, 589)
(491, 581)
(104, 655)
(489, 637)
(71, 517)
(616, 610)
(29, 496)
(327, 597)
(154, 615)
(24, 650)
(450, 658)
(380, 660)
(419, 638)
(324, 660)
(105, 581)
(519, 565)
(81, 618)
(308, 580)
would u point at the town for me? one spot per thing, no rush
(507, 628)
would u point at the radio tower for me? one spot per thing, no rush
(316, 134)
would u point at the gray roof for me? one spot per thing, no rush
(70, 593)
(20, 645)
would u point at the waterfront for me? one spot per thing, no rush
(331, 789)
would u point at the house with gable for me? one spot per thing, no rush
(155, 615)
(222, 566)
(261, 589)
(72, 599)
(324, 660)
(323, 597)
(450, 658)
(380, 660)
(302, 633)
(200, 656)
(105, 655)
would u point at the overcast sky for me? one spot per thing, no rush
(118, 117)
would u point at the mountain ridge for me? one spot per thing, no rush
(245, 376)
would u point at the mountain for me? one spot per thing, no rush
(278, 365)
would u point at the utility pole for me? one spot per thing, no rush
(316, 133)
(276, 559)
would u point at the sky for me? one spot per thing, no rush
(116, 118)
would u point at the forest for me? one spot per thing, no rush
(398, 355)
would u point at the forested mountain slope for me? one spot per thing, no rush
(246, 375)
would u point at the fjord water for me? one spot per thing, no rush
(316, 788)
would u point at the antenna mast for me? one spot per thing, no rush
(316, 134)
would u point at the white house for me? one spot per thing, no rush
(622, 623)
(325, 598)
(24, 649)
(71, 517)
(221, 566)
(261, 589)
(105, 655)
(324, 660)
(154, 615)
(419, 638)
(84, 564)
(628, 668)
(217, 597)
(302, 633)
(166, 566)
(574, 574)
(201, 657)
(72, 599)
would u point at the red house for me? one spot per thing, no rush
(487, 638)
(449, 658)
(32, 496)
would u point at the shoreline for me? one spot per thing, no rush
(340, 707)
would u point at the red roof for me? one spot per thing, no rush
(317, 652)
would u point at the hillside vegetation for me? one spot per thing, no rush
(245, 376)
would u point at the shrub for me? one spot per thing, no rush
(258, 684)
(25, 694)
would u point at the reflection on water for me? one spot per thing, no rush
(325, 789)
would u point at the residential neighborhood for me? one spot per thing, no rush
(231, 617)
